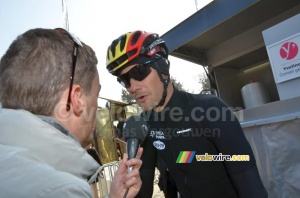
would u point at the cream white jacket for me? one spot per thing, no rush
(38, 160)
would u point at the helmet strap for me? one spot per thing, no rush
(165, 84)
(165, 92)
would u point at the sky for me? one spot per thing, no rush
(98, 22)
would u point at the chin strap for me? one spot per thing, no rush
(165, 92)
(165, 83)
(162, 68)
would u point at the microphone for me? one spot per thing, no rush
(134, 132)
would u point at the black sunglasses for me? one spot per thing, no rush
(138, 72)
(77, 43)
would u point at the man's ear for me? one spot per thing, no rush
(77, 100)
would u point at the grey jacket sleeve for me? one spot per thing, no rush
(69, 190)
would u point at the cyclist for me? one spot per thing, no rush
(191, 133)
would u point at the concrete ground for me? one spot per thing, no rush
(157, 193)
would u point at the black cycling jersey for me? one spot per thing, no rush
(197, 135)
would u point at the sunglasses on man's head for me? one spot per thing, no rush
(138, 72)
(77, 43)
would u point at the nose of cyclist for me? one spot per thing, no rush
(135, 86)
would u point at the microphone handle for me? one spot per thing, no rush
(132, 147)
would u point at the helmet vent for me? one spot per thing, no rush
(131, 53)
(122, 43)
(113, 47)
(135, 37)
(148, 42)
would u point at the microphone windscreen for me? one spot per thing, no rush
(135, 127)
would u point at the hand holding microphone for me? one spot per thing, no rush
(134, 132)
(128, 176)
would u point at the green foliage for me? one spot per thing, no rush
(204, 81)
(177, 84)
(126, 97)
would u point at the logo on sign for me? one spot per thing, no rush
(289, 50)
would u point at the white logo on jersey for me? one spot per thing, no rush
(184, 131)
(159, 145)
(157, 134)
